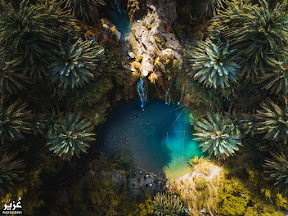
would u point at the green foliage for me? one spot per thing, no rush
(29, 191)
(201, 183)
(166, 204)
(76, 64)
(29, 32)
(214, 65)
(273, 121)
(261, 196)
(249, 123)
(195, 160)
(209, 8)
(86, 11)
(281, 201)
(92, 99)
(10, 171)
(277, 80)
(145, 208)
(257, 32)
(277, 168)
(201, 98)
(14, 121)
(70, 135)
(97, 197)
(10, 81)
(105, 199)
(230, 201)
(217, 137)
(243, 97)
(123, 161)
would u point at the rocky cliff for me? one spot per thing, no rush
(153, 41)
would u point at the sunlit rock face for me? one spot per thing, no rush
(154, 41)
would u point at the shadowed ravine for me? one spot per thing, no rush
(154, 138)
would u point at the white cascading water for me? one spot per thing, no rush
(118, 8)
(167, 92)
(182, 93)
(142, 91)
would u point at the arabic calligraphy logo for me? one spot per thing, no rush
(11, 208)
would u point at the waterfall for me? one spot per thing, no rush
(142, 92)
(167, 92)
(181, 96)
(118, 8)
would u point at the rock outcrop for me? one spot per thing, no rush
(204, 175)
(102, 32)
(154, 43)
(136, 9)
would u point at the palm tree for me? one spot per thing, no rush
(166, 204)
(86, 11)
(209, 8)
(28, 33)
(276, 81)
(217, 136)
(70, 136)
(257, 32)
(249, 123)
(273, 121)
(10, 81)
(277, 168)
(215, 65)
(14, 121)
(76, 64)
(10, 171)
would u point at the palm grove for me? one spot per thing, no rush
(45, 60)
(53, 80)
(246, 44)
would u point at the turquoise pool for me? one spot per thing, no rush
(156, 139)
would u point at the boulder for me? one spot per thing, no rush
(169, 9)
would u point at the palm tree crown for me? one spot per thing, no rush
(273, 121)
(70, 136)
(76, 64)
(10, 171)
(14, 121)
(166, 204)
(10, 81)
(28, 33)
(277, 81)
(278, 170)
(86, 11)
(258, 33)
(209, 8)
(215, 65)
(217, 136)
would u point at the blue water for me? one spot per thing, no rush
(121, 22)
(154, 138)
